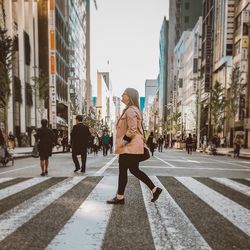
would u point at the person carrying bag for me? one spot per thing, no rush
(131, 147)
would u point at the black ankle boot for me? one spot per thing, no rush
(156, 194)
(116, 201)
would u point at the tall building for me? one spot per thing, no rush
(187, 78)
(223, 50)
(163, 73)
(105, 107)
(241, 54)
(142, 103)
(21, 22)
(207, 63)
(183, 15)
(62, 55)
(151, 92)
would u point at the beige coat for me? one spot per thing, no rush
(129, 124)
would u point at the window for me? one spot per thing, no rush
(187, 6)
(186, 19)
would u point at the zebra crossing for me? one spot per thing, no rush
(71, 213)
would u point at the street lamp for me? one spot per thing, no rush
(70, 78)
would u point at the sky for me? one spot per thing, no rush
(125, 41)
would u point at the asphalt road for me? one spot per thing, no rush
(205, 204)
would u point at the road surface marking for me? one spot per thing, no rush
(88, 224)
(170, 227)
(169, 164)
(14, 170)
(235, 213)
(103, 169)
(8, 191)
(17, 216)
(234, 185)
(231, 163)
(6, 179)
(191, 168)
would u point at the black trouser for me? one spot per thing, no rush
(83, 158)
(189, 149)
(160, 147)
(105, 149)
(131, 162)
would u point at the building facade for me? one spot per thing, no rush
(183, 15)
(241, 52)
(222, 55)
(163, 73)
(105, 107)
(151, 92)
(22, 24)
(62, 56)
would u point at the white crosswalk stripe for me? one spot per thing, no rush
(89, 220)
(235, 213)
(167, 218)
(21, 186)
(17, 216)
(6, 179)
(171, 228)
(234, 185)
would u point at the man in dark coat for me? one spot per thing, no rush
(189, 144)
(79, 141)
(46, 140)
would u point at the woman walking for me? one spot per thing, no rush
(46, 140)
(130, 145)
(151, 142)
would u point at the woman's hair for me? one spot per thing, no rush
(133, 97)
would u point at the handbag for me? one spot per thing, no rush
(146, 154)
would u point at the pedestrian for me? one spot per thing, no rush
(35, 152)
(237, 146)
(160, 142)
(96, 143)
(105, 143)
(11, 141)
(111, 144)
(79, 141)
(151, 142)
(46, 140)
(130, 146)
(65, 143)
(189, 144)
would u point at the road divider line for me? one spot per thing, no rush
(231, 163)
(88, 224)
(170, 227)
(169, 164)
(8, 191)
(233, 212)
(234, 185)
(17, 216)
(103, 169)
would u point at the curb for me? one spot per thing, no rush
(28, 155)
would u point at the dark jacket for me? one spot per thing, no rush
(46, 140)
(2, 142)
(79, 138)
(150, 143)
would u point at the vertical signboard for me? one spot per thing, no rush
(52, 64)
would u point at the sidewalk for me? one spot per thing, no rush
(23, 152)
(244, 152)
